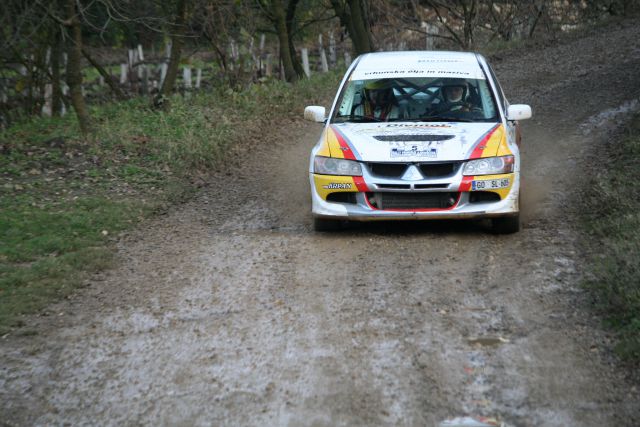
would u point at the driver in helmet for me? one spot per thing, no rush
(454, 94)
(379, 101)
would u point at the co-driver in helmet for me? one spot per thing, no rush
(379, 101)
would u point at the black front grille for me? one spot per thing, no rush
(395, 186)
(429, 186)
(483, 197)
(433, 170)
(429, 170)
(388, 169)
(342, 197)
(416, 200)
(410, 138)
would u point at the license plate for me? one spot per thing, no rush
(490, 184)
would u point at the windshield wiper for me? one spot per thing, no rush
(443, 119)
(357, 118)
(433, 119)
(400, 119)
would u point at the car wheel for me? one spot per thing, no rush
(506, 224)
(323, 224)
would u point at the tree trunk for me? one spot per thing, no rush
(469, 13)
(277, 9)
(107, 77)
(177, 40)
(362, 33)
(353, 17)
(290, 18)
(56, 91)
(74, 69)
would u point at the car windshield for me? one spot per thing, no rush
(416, 99)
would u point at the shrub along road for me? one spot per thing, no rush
(229, 310)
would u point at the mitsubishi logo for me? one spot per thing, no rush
(412, 174)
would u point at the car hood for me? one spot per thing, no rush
(412, 142)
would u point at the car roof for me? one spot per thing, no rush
(380, 65)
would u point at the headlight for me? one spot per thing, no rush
(331, 166)
(489, 166)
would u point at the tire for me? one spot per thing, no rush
(324, 224)
(506, 224)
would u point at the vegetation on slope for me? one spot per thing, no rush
(612, 222)
(64, 198)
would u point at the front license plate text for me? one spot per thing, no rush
(489, 184)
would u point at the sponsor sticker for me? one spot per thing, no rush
(337, 186)
(414, 150)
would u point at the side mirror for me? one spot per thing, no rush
(314, 113)
(518, 112)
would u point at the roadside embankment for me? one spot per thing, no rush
(610, 217)
(64, 200)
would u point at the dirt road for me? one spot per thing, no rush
(231, 311)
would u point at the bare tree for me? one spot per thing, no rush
(452, 13)
(353, 16)
(74, 66)
(56, 91)
(177, 40)
(281, 16)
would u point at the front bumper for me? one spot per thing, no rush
(361, 203)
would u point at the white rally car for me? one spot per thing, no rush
(417, 135)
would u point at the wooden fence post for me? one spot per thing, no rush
(252, 55)
(431, 32)
(22, 70)
(123, 73)
(163, 72)
(323, 61)
(261, 59)
(167, 51)
(132, 60)
(65, 92)
(186, 77)
(47, 107)
(198, 77)
(235, 55)
(347, 58)
(324, 67)
(332, 50)
(267, 66)
(140, 65)
(304, 52)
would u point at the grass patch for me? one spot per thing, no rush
(47, 249)
(611, 219)
(62, 198)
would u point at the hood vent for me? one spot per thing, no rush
(412, 138)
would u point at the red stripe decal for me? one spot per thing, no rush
(346, 150)
(360, 184)
(465, 185)
(480, 146)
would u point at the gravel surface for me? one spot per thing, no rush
(230, 310)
